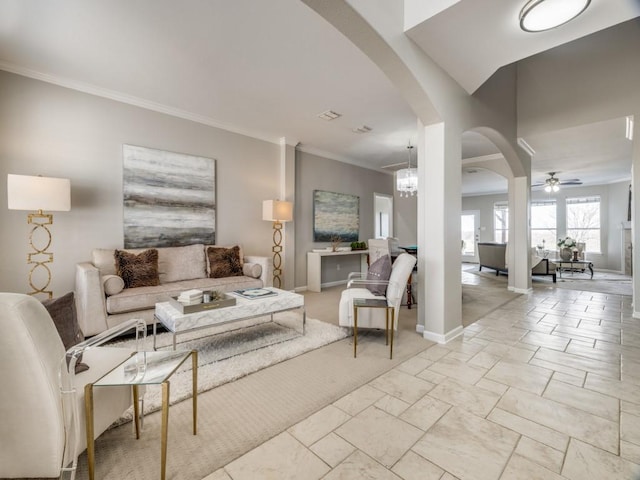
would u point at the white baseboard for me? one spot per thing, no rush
(304, 288)
(333, 284)
(447, 337)
(520, 290)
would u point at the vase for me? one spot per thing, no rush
(575, 255)
(566, 254)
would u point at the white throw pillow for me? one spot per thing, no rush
(113, 284)
(252, 270)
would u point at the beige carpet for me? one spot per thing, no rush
(238, 416)
(235, 350)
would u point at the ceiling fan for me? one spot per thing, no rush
(552, 184)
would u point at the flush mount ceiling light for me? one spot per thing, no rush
(541, 15)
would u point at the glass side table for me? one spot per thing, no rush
(373, 303)
(143, 368)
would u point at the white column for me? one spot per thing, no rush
(635, 210)
(518, 251)
(439, 207)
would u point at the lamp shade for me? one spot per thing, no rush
(25, 192)
(277, 211)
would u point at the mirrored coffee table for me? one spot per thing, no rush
(143, 368)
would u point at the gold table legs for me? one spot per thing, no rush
(387, 332)
(88, 401)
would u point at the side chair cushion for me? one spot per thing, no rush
(138, 270)
(63, 313)
(379, 270)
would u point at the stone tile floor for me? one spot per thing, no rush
(545, 387)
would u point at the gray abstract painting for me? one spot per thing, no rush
(169, 198)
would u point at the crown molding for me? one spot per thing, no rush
(338, 158)
(132, 100)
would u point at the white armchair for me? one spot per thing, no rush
(375, 317)
(42, 398)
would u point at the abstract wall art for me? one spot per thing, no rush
(335, 215)
(169, 198)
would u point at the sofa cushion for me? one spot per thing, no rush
(181, 263)
(138, 270)
(379, 270)
(112, 284)
(63, 313)
(145, 298)
(224, 262)
(104, 260)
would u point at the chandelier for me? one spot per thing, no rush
(407, 178)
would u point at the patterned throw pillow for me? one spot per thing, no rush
(139, 270)
(379, 270)
(224, 262)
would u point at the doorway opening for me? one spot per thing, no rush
(383, 215)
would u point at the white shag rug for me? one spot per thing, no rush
(232, 351)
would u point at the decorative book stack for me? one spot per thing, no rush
(190, 297)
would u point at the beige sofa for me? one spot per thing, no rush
(101, 301)
(494, 256)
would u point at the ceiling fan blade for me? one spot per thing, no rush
(571, 182)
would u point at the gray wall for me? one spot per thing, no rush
(613, 212)
(53, 131)
(317, 173)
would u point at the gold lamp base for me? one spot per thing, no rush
(39, 258)
(276, 249)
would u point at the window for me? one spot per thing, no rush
(543, 224)
(583, 221)
(500, 222)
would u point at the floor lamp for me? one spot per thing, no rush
(277, 212)
(26, 192)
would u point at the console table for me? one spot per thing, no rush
(314, 266)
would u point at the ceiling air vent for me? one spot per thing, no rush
(362, 129)
(329, 115)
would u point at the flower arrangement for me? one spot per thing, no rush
(568, 242)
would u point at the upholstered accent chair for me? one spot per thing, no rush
(42, 396)
(357, 287)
